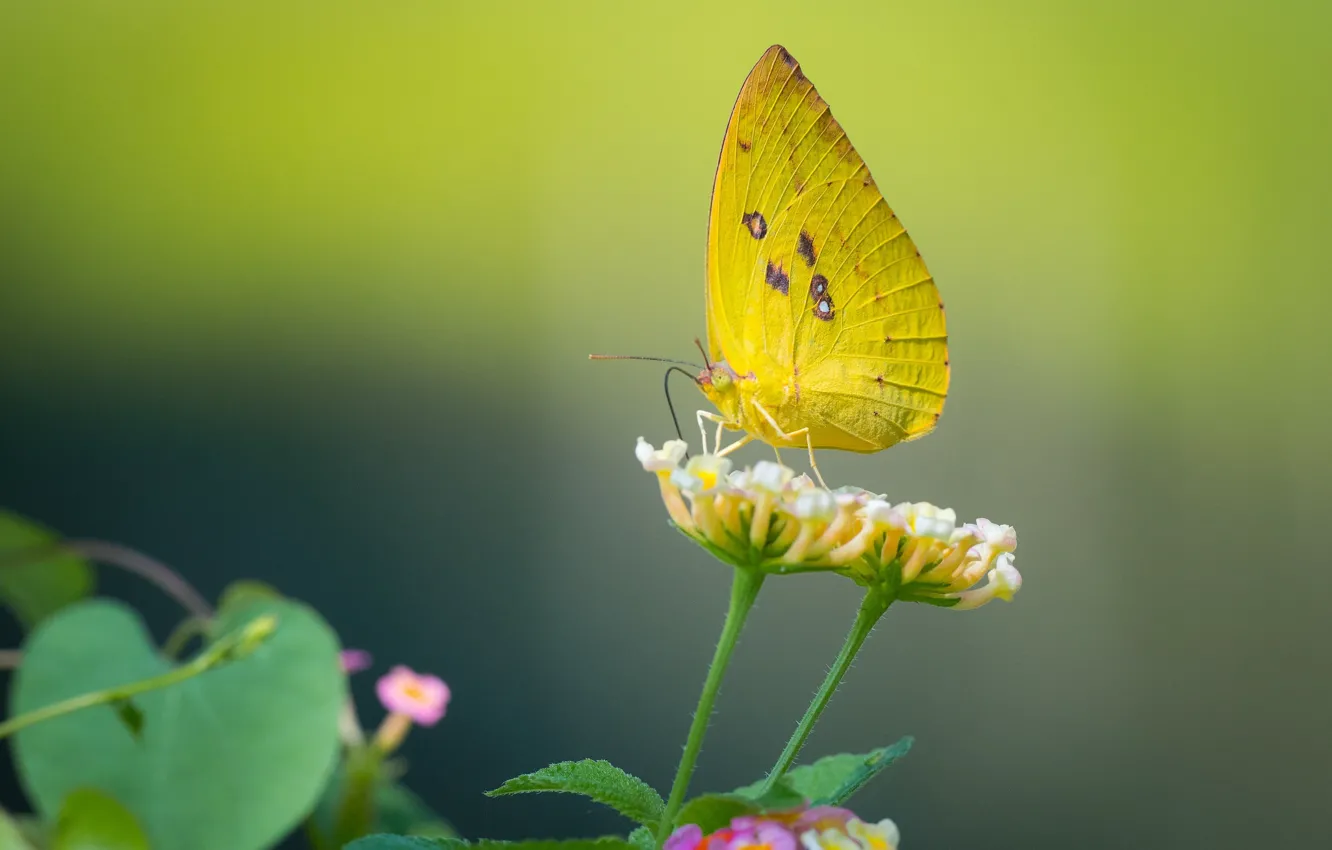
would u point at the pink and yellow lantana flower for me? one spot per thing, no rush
(818, 828)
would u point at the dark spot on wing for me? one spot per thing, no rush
(887, 339)
(757, 224)
(805, 248)
(777, 278)
(744, 146)
(823, 303)
(792, 63)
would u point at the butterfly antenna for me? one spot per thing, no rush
(638, 357)
(704, 352)
(666, 385)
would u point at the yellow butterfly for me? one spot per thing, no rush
(824, 327)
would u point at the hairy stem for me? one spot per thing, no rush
(871, 609)
(744, 590)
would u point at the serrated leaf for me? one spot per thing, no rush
(602, 781)
(35, 587)
(833, 779)
(714, 811)
(643, 838)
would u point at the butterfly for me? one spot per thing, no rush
(825, 329)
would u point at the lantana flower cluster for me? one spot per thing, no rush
(768, 518)
(818, 828)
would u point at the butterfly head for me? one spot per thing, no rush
(719, 383)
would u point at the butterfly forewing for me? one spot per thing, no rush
(813, 282)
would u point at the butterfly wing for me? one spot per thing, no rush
(812, 279)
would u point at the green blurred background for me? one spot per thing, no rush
(303, 292)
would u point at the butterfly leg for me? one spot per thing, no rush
(799, 432)
(702, 430)
(733, 446)
(703, 434)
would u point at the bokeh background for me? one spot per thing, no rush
(303, 292)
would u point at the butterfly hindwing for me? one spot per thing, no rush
(813, 283)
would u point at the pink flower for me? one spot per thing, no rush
(817, 828)
(423, 698)
(823, 818)
(761, 834)
(686, 837)
(354, 660)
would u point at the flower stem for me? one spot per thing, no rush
(744, 590)
(239, 643)
(871, 609)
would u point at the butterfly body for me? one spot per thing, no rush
(824, 325)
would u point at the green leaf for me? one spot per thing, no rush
(403, 813)
(396, 810)
(400, 842)
(714, 811)
(239, 595)
(643, 838)
(230, 760)
(36, 588)
(91, 820)
(130, 715)
(11, 834)
(403, 842)
(781, 796)
(600, 780)
(833, 779)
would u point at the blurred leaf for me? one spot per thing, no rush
(260, 732)
(714, 811)
(11, 835)
(239, 595)
(397, 810)
(130, 715)
(600, 780)
(833, 779)
(643, 838)
(34, 589)
(400, 842)
(403, 813)
(91, 820)
(403, 842)
(782, 795)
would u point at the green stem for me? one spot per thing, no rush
(871, 609)
(189, 628)
(356, 806)
(744, 590)
(236, 645)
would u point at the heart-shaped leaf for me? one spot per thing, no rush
(34, 588)
(228, 760)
